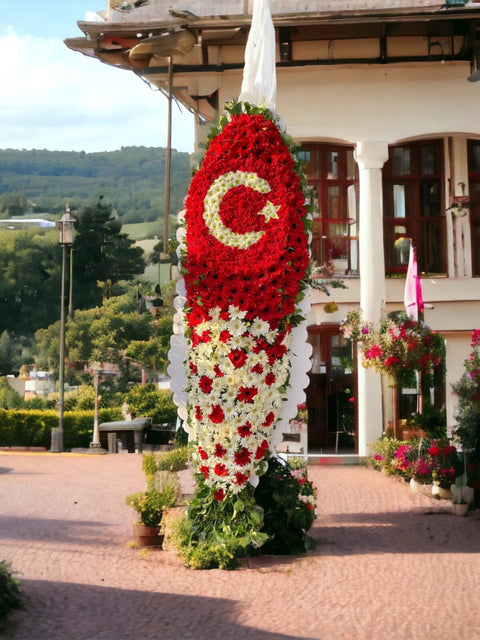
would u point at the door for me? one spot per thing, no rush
(332, 424)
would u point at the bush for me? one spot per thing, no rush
(151, 402)
(10, 593)
(288, 501)
(25, 428)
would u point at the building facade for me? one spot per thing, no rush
(383, 98)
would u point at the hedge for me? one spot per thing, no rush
(23, 428)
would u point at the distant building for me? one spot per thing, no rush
(26, 223)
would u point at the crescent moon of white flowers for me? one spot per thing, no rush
(211, 208)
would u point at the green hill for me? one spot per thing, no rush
(131, 179)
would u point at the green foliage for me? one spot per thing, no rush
(99, 334)
(11, 596)
(287, 498)
(173, 460)
(383, 457)
(102, 253)
(132, 178)
(30, 268)
(152, 354)
(216, 533)
(9, 398)
(433, 421)
(467, 429)
(162, 492)
(32, 428)
(202, 554)
(152, 402)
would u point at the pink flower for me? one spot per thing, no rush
(373, 352)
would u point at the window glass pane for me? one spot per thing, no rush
(313, 200)
(317, 243)
(351, 165)
(334, 202)
(332, 168)
(399, 205)
(476, 157)
(304, 156)
(430, 198)
(397, 200)
(338, 248)
(427, 160)
(401, 161)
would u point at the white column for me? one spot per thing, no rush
(370, 157)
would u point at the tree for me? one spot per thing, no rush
(102, 254)
(13, 203)
(10, 352)
(101, 334)
(30, 282)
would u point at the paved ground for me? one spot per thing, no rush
(387, 564)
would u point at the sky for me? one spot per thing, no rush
(54, 98)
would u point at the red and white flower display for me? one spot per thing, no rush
(244, 266)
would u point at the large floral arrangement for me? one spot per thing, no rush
(244, 267)
(398, 347)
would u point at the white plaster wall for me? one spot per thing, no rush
(384, 103)
(458, 350)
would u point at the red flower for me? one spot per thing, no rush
(219, 450)
(258, 368)
(434, 450)
(219, 495)
(374, 352)
(240, 478)
(247, 394)
(269, 419)
(245, 430)
(242, 457)
(220, 469)
(217, 415)
(205, 384)
(203, 454)
(218, 371)
(193, 368)
(225, 336)
(237, 357)
(261, 450)
(391, 360)
(270, 379)
(204, 471)
(198, 413)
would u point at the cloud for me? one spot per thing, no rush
(54, 98)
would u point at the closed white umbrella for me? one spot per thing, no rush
(259, 84)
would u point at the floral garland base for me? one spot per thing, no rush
(236, 375)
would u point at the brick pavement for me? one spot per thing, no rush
(387, 564)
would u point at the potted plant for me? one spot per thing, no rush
(161, 492)
(462, 495)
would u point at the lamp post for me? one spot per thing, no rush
(65, 226)
(97, 371)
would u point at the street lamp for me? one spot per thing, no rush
(65, 226)
(97, 371)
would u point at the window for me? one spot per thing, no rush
(412, 207)
(332, 177)
(474, 189)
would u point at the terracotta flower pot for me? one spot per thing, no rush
(147, 536)
(460, 509)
